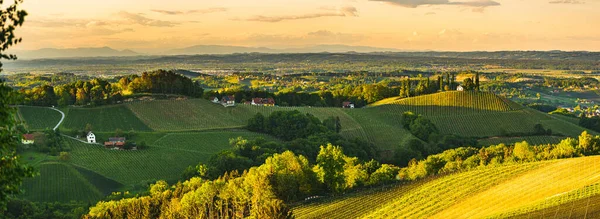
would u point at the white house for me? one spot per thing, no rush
(91, 138)
(215, 99)
(460, 88)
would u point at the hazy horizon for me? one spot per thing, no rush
(415, 25)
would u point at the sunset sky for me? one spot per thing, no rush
(457, 25)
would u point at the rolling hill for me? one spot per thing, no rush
(483, 192)
(473, 114)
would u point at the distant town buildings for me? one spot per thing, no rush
(348, 104)
(228, 101)
(263, 101)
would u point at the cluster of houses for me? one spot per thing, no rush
(227, 101)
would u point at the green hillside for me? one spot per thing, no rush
(471, 194)
(103, 119)
(38, 118)
(166, 158)
(60, 182)
(473, 114)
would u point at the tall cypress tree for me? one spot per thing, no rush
(440, 83)
(476, 81)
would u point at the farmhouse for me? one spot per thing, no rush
(115, 142)
(91, 138)
(228, 101)
(348, 104)
(460, 88)
(214, 99)
(263, 101)
(28, 139)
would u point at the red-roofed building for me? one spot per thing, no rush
(28, 139)
(348, 104)
(263, 101)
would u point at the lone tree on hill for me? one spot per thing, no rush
(12, 171)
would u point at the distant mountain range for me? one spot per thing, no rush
(75, 52)
(192, 50)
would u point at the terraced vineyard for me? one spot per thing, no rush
(460, 102)
(38, 118)
(60, 182)
(501, 191)
(582, 208)
(580, 203)
(164, 159)
(103, 119)
(194, 114)
(473, 114)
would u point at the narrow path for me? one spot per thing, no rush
(60, 122)
(61, 119)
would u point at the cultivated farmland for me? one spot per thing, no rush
(164, 159)
(103, 119)
(38, 118)
(483, 192)
(60, 182)
(473, 114)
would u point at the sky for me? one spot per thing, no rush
(441, 25)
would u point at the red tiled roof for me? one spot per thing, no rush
(28, 136)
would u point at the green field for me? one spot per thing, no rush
(38, 118)
(477, 193)
(60, 182)
(166, 158)
(103, 119)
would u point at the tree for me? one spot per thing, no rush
(468, 84)
(523, 151)
(64, 156)
(477, 81)
(12, 171)
(330, 167)
(587, 143)
(88, 128)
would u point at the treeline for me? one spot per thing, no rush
(303, 134)
(260, 192)
(360, 95)
(430, 140)
(25, 209)
(570, 82)
(465, 158)
(98, 91)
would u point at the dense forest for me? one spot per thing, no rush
(98, 91)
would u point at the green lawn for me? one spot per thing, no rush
(38, 118)
(103, 119)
